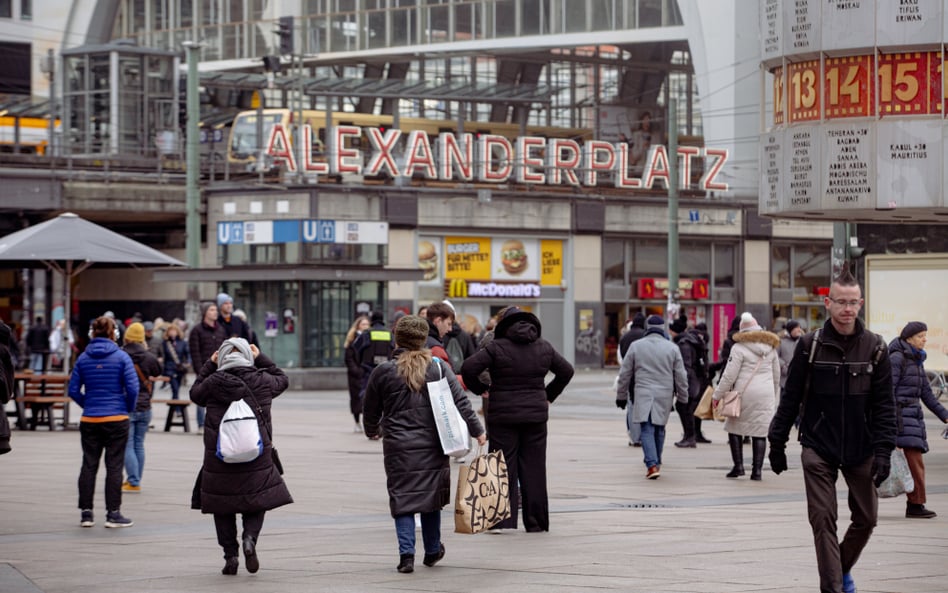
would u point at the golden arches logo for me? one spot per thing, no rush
(457, 289)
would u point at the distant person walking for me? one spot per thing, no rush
(654, 369)
(355, 374)
(840, 383)
(7, 385)
(203, 341)
(146, 367)
(519, 359)
(238, 370)
(910, 383)
(37, 340)
(753, 369)
(398, 408)
(105, 385)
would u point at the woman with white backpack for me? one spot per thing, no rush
(237, 385)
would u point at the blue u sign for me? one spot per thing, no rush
(230, 233)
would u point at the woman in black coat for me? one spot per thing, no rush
(911, 387)
(238, 371)
(354, 370)
(518, 360)
(398, 408)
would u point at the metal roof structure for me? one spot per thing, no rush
(460, 91)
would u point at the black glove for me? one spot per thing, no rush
(881, 464)
(778, 458)
(621, 403)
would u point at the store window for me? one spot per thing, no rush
(724, 267)
(694, 260)
(811, 269)
(613, 261)
(780, 266)
(650, 258)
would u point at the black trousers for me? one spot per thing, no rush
(686, 413)
(97, 437)
(226, 526)
(524, 447)
(834, 558)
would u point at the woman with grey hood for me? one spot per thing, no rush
(238, 370)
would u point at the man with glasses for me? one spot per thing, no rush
(839, 382)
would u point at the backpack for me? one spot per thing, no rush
(455, 354)
(238, 438)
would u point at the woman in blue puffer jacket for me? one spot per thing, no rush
(911, 388)
(105, 385)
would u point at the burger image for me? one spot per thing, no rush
(513, 256)
(428, 259)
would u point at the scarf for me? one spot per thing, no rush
(234, 353)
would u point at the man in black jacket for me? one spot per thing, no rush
(203, 341)
(840, 383)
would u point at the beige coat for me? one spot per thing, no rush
(759, 397)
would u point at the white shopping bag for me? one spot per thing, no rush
(452, 429)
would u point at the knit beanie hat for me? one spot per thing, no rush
(655, 322)
(204, 307)
(791, 325)
(912, 328)
(639, 320)
(679, 325)
(748, 323)
(376, 317)
(223, 298)
(135, 333)
(411, 332)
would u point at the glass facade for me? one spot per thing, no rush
(799, 277)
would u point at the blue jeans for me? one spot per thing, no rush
(653, 440)
(37, 362)
(135, 448)
(430, 532)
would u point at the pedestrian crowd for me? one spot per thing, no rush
(853, 398)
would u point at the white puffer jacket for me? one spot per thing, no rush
(759, 397)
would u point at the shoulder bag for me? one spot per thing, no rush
(731, 402)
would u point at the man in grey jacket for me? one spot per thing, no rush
(788, 343)
(654, 368)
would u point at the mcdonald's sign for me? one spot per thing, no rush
(699, 289)
(457, 288)
(646, 288)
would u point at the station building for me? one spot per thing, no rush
(305, 236)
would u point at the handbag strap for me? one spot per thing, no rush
(173, 352)
(751, 378)
(141, 377)
(258, 408)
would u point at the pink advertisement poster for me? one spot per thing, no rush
(721, 316)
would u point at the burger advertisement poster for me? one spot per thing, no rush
(483, 261)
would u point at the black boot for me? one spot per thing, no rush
(918, 511)
(250, 554)
(406, 563)
(760, 448)
(699, 436)
(230, 565)
(737, 454)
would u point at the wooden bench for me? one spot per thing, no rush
(44, 394)
(175, 406)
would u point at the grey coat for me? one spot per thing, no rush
(654, 366)
(785, 352)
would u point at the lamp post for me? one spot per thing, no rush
(193, 192)
(672, 306)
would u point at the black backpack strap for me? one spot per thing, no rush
(815, 343)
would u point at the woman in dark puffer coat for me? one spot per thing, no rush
(518, 360)
(397, 406)
(234, 372)
(911, 388)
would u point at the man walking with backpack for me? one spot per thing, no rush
(840, 384)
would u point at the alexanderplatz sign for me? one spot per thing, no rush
(490, 158)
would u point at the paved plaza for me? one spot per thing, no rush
(690, 531)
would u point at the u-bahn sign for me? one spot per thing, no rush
(491, 158)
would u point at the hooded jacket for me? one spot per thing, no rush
(239, 487)
(149, 366)
(518, 359)
(109, 378)
(694, 355)
(849, 412)
(911, 388)
(759, 390)
(417, 470)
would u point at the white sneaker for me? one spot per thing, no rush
(357, 429)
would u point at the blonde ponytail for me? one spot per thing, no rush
(412, 366)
